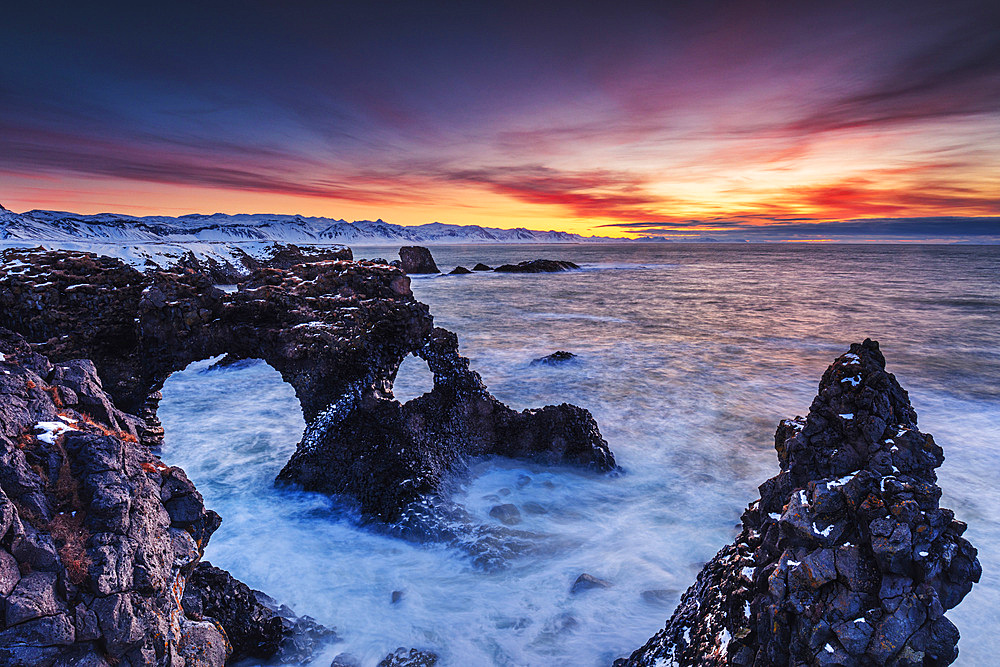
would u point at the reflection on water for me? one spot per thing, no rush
(690, 354)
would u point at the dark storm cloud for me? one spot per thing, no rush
(957, 75)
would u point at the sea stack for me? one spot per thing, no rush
(417, 259)
(847, 557)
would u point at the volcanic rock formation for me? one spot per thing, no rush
(274, 256)
(417, 259)
(337, 332)
(847, 558)
(97, 536)
(407, 450)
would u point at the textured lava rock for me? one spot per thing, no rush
(337, 332)
(97, 536)
(388, 455)
(256, 626)
(324, 326)
(555, 359)
(275, 256)
(402, 657)
(537, 266)
(254, 631)
(846, 558)
(417, 259)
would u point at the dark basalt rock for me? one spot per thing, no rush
(417, 259)
(402, 657)
(257, 627)
(482, 267)
(506, 514)
(847, 558)
(557, 358)
(98, 537)
(459, 271)
(337, 332)
(537, 266)
(388, 455)
(254, 631)
(275, 256)
(325, 326)
(586, 582)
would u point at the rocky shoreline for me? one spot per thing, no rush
(846, 559)
(102, 541)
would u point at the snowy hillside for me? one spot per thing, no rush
(57, 226)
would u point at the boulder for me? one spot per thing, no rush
(557, 358)
(417, 259)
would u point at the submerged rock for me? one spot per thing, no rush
(847, 557)
(417, 259)
(506, 514)
(537, 266)
(337, 332)
(402, 657)
(586, 582)
(555, 359)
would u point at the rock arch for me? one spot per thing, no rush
(335, 330)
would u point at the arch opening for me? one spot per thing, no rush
(413, 379)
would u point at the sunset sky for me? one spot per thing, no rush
(728, 119)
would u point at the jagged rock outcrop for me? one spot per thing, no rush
(337, 332)
(97, 536)
(537, 266)
(274, 256)
(325, 326)
(256, 626)
(417, 259)
(388, 455)
(847, 558)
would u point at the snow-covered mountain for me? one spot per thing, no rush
(59, 226)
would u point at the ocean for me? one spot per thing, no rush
(688, 356)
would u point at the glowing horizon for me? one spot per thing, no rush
(671, 122)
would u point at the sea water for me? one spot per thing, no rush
(687, 355)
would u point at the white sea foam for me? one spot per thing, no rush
(687, 379)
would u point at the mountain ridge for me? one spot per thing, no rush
(40, 225)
